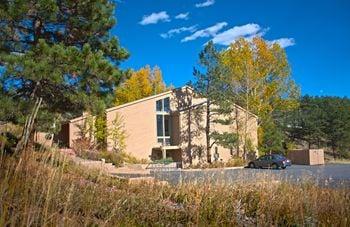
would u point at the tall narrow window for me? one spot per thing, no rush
(167, 125)
(160, 125)
(167, 105)
(163, 121)
(159, 105)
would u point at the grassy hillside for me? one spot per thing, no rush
(45, 189)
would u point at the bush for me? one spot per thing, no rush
(112, 157)
(164, 161)
(8, 142)
(234, 162)
(116, 158)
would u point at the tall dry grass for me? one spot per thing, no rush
(44, 189)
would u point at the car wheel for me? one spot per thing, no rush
(251, 165)
(283, 167)
(274, 166)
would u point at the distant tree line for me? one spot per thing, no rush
(320, 122)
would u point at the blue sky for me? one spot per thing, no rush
(171, 33)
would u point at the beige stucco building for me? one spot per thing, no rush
(170, 124)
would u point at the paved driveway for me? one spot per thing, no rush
(333, 175)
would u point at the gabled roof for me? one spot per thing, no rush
(147, 98)
(139, 100)
(153, 97)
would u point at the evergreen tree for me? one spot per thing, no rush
(60, 52)
(322, 122)
(207, 85)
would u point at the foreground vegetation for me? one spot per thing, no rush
(46, 189)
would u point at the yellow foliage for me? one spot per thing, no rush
(260, 75)
(142, 83)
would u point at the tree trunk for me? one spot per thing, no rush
(238, 134)
(189, 145)
(333, 150)
(189, 128)
(246, 119)
(28, 127)
(207, 132)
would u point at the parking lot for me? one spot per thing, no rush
(330, 175)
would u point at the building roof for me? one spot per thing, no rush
(139, 100)
(149, 98)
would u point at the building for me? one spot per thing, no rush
(169, 125)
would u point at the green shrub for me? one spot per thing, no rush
(164, 161)
(119, 158)
(112, 157)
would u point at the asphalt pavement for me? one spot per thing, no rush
(329, 175)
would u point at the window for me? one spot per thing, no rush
(163, 105)
(160, 140)
(167, 141)
(166, 125)
(167, 105)
(159, 125)
(263, 158)
(159, 105)
(163, 121)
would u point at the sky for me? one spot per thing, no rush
(171, 33)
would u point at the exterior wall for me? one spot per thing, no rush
(316, 156)
(75, 126)
(62, 138)
(198, 122)
(299, 157)
(139, 120)
(43, 138)
(307, 156)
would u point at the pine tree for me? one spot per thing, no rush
(60, 52)
(207, 85)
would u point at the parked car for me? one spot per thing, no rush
(274, 161)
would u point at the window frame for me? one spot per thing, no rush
(163, 112)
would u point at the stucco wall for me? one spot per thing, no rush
(139, 121)
(140, 124)
(306, 156)
(75, 126)
(198, 122)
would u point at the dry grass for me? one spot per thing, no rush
(44, 189)
(233, 162)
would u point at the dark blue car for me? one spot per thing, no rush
(274, 161)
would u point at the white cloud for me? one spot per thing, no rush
(183, 16)
(154, 18)
(248, 31)
(284, 42)
(205, 4)
(207, 32)
(174, 31)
